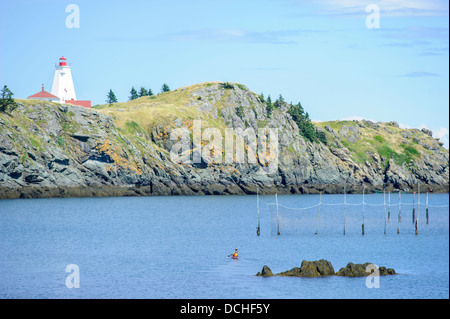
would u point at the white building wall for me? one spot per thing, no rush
(63, 84)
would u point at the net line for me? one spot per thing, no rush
(303, 220)
(356, 204)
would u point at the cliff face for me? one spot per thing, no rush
(48, 149)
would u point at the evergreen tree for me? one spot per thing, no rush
(321, 136)
(305, 126)
(111, 97)
(134, 95)
(269, 106)
(149, 92)
(279, 101)
(165, 88)
(7, 103)
(143, 92)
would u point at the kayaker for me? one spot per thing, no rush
(236, 253)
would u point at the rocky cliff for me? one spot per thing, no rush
(48, 149)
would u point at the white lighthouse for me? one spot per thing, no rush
(62, 82)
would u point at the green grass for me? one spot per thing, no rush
(376, 141)
(411, 150)
(35, 143)
(379, 139)
(133, 127)
(60, 141)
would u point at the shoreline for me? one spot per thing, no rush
(30, 192)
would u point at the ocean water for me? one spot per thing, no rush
(178, 247)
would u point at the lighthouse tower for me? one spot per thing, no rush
(62, 82)
(62, 89)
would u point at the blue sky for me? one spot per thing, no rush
(318, 52)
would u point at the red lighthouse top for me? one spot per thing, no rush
(62, 61)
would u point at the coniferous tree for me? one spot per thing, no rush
(150, 92)
(134, 95)
(269, 106)
(261, 97)
(111, 97)
(7, 103)
(279, 101)
(165, 88)
(305, 126)
(143, 92)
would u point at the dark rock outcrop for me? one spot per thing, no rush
(359, 270)
(265, 272)
(317, 268)
(322, 268)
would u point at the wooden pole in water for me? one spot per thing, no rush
(418, 210)
(258, 228)
(389, 207)
(399, 210)
(427, 208)
(414, 209)
(278, 217)
(384, 200)
(318, 213)
(362, 226)
(345, 202)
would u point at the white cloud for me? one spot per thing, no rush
(442, 132)
(405, 126)
(387, 7)
(357, 118)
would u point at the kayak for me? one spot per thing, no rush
(235, 257)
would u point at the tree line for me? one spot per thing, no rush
(134, 94)
(298, 114)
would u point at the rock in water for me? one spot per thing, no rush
(265, 272)
(317, 268)
(359, 270)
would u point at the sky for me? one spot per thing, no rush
(331, 56)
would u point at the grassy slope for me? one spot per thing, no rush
(386, 141)
(161, 109)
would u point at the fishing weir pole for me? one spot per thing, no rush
(278, 216)
(418, 211)
(363, 203)
(318, 213)
(399, 210)
(345, 203)
(384, 202)
(258, 228)
(389, 207)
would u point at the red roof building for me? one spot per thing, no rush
(44, 95)
(86, 104)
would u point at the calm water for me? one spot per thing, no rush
(177, 247)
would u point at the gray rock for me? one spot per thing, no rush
(428, 132)
(265, 272)
(359, 270)
(311, 269)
